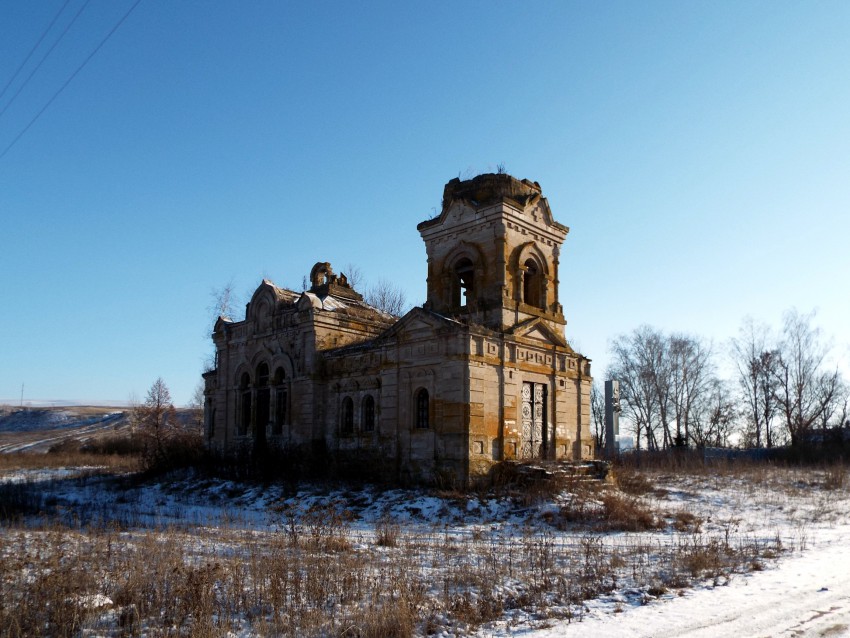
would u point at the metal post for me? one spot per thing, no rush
(612, 418)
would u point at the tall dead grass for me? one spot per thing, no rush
(317, 574)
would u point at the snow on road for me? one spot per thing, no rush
(806, 594)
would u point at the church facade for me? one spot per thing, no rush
(480, 373)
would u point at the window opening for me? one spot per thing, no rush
(280, 411)
(367, 418)
(244, 404)
(262, 374)
(422, 409)
(347, 425)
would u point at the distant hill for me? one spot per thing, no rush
(40, 429)
(36, 419)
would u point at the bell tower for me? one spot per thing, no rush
(493, 254)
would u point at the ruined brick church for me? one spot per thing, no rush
(480, 373)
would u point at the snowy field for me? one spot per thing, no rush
(728, 552)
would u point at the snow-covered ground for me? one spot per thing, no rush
(805, 593)
(784, 532)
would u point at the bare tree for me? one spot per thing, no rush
(387, 297)
(156, 421)
(225, 302)
(663, 380)
(631, 366)
(196, 407)
(690, 377)
(713, 416)
(652, 348)
(755, 356)
(597, 412)
(804, 390)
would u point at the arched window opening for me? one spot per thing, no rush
(367, 414)
(532, 284)
(262, 374)
(262, 410)
(281, 402)
(464, 286)
(280, 411)
(347, 423)
(245, 406)
(422, 421)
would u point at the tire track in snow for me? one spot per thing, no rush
(803, 596)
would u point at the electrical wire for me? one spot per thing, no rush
(37, 44)
(46, 55)
(68, 81)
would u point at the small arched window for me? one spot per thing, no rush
(422, 405)
(347, 416)
(367, 414)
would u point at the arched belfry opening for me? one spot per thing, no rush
(533, 285)
(463, 283)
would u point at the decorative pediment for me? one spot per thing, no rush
(416, 320)
(539, 330)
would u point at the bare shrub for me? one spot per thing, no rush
(327, 527)
(118, 444)
(684, 521)
(387, 531)
(835, 477)
(627, 514)
(18, 500)
(632, 481)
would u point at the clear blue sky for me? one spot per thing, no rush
(699, 152)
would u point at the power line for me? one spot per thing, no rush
(37, 44)
(46, 55)
(68, 81)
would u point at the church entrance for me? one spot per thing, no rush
(534, 433)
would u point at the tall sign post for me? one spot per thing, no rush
(612, 418)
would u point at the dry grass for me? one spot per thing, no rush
(106, 463)
(632, 481)
(315, 574)
(626, 513)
